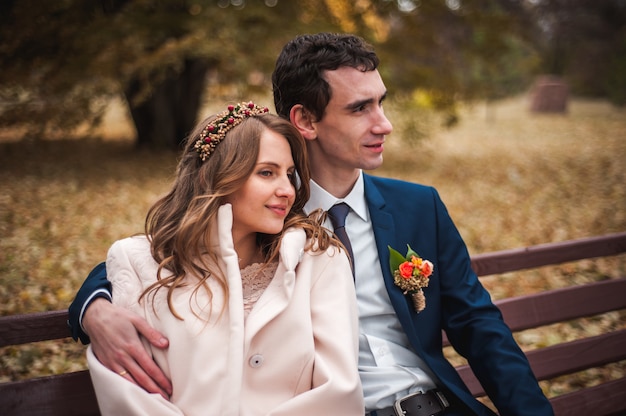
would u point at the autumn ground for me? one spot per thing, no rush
(509, 178)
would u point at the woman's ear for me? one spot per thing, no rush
(303, 121)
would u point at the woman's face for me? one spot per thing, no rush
(268, 194)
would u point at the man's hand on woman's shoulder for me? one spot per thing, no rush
(114, 333)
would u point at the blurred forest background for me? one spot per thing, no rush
(96, 96)
(63, 61)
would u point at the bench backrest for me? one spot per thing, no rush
(567, 358)
(59, 395)
(72, 393)
(562, 305)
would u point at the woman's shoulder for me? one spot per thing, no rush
(314, 251)
(130, 268)
(132, 242)
(131, 252)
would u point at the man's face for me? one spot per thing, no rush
(351, 134)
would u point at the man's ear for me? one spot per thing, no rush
(303, 121)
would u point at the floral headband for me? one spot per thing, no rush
(215, 132)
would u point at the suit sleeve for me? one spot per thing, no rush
(476, 329)
(95, 286)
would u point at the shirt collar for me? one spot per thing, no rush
(320, 198)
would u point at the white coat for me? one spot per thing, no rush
(296, 354)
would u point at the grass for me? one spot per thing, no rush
(508, 177)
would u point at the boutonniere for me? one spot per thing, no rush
(411, 273)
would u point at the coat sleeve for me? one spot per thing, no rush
(336, 386)
(115, 394)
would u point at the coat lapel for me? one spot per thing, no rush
(276, 296)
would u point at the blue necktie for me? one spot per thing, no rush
(337, 214)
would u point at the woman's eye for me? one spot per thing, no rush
(265, 173)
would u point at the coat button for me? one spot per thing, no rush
(256, 361)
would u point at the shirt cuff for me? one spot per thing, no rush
(100, 293)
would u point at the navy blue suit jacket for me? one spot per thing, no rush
(406, 213)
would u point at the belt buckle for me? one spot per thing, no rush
(399, 411)
(397, 406)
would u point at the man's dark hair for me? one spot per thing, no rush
(298, 74)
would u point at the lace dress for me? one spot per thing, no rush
(254, 279)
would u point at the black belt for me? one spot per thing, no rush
(433, 402)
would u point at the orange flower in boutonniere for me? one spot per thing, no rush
(411, 273)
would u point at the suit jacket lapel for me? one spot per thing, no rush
(383, 224)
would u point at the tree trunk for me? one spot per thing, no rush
(165, 118)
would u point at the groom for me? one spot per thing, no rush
(329, 87)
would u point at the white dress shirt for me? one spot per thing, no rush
(388, 367)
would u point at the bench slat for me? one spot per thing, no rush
(559, 305)
(605, 399)
(548, 254)
(68, 394)
(578, 355)
(33, 327)
(531, 311)
(565, 358)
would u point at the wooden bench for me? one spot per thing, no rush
(561, 305)
(72, 393)
(68, 394)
